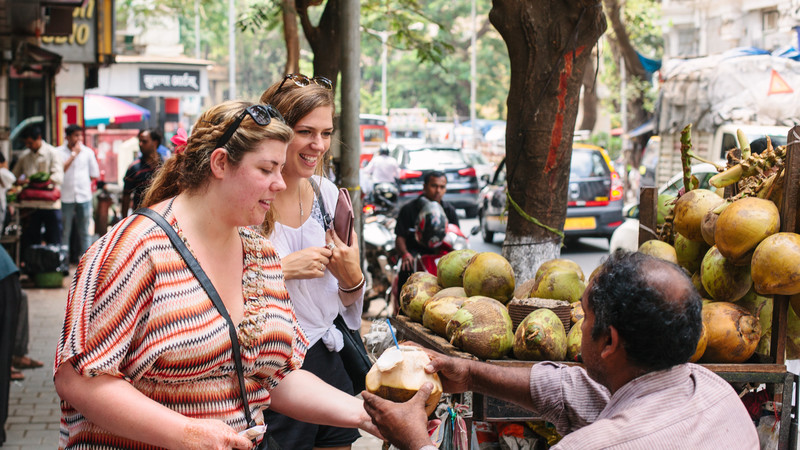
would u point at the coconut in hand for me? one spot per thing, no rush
(399, 373)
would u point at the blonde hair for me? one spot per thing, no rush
(296, 102)
(190, 169)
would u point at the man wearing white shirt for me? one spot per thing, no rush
(383, 168)
(80, 169)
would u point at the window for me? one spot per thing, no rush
(769, 20)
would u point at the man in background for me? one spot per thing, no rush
(80, 169)
(140, 172)
(383, 168)
(40, 157)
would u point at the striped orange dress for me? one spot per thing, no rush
(135, 311)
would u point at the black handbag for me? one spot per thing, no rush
(267, 442)
(354, 353)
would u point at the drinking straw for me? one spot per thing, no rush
(391, 330)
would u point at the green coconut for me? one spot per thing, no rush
(659, 249)
(665, 205)
(776, 265)
(724, 281)
(560, 263)
(419, 287)
(743, 225)
(450, 292)
(690, 209)
(490, 275)
(574, 342)
(690, 253)
(482, 327)
(438, 311)
(559, 285)
(451, 267)
(540, 337)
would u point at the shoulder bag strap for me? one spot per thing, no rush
(201, 276)
(326, 218)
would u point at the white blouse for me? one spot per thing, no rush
(316, 300)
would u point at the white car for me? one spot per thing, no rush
(626, 236)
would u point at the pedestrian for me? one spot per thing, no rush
(39, 157)
(80, 170)
(9, 311)
(7, 180)
(406, 245)
(323, 274)
(146, 359)
(635, 389)
(383, 168)
(140, 172)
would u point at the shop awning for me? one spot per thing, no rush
(101, 109)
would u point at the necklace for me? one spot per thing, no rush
(300, 199)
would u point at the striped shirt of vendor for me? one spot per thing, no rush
(684, 407)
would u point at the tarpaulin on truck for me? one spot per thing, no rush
(710, 91)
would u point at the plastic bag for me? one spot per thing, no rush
(378, 339)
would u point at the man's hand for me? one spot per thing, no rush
(408, 261)
(403, 424)
(454, 372)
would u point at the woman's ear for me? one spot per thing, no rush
(219, 162)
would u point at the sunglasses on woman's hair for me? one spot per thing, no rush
(261, 114)
(302, 80)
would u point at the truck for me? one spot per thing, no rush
(408, 126)
(757, 93)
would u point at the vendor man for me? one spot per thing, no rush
(636, 389)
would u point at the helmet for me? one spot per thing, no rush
(384, 195)
(431, 225)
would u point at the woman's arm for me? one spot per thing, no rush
(116, 406)
(303, 396)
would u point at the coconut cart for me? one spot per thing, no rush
(770, 369)
(767, 369)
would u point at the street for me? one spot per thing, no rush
(588, 253)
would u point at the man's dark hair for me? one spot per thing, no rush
(154, 134)
(758, 145)
(32, 132)
(74, 128)
(658, 331)
(433, 174)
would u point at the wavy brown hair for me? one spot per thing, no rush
(190, 169)
(295, 102)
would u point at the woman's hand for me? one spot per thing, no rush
(307, 263)
(213, 435)
(344, 262)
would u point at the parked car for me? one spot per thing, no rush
(627, 235)
(594, 197)
(462, 181)
(483, 168)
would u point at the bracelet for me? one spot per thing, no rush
(354, 288)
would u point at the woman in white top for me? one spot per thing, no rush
(323, 274)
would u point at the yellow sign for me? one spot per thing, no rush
(580, 223)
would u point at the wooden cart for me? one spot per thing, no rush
(772, 372)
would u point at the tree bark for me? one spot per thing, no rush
(323, 38)
(291, 37)
(548, 42)
(589, 94)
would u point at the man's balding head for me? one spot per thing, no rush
(652, 304)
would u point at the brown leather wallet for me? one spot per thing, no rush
(343, 217)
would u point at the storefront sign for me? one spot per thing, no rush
(81, 45)
(70, 111)
(154, 80)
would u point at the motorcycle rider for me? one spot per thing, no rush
(383, 168)
(406, 243)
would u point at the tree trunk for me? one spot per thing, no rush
(291, 37)
(548, 44)
(589, 94)
(324, 38)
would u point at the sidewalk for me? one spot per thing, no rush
(33, 411)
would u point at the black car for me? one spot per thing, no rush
(594, 197)
(462, 182)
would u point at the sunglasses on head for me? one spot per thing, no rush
(302, 80)
(261, 114)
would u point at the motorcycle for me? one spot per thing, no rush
(378, 256)
(454, 239)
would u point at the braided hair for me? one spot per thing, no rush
(190, 169)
